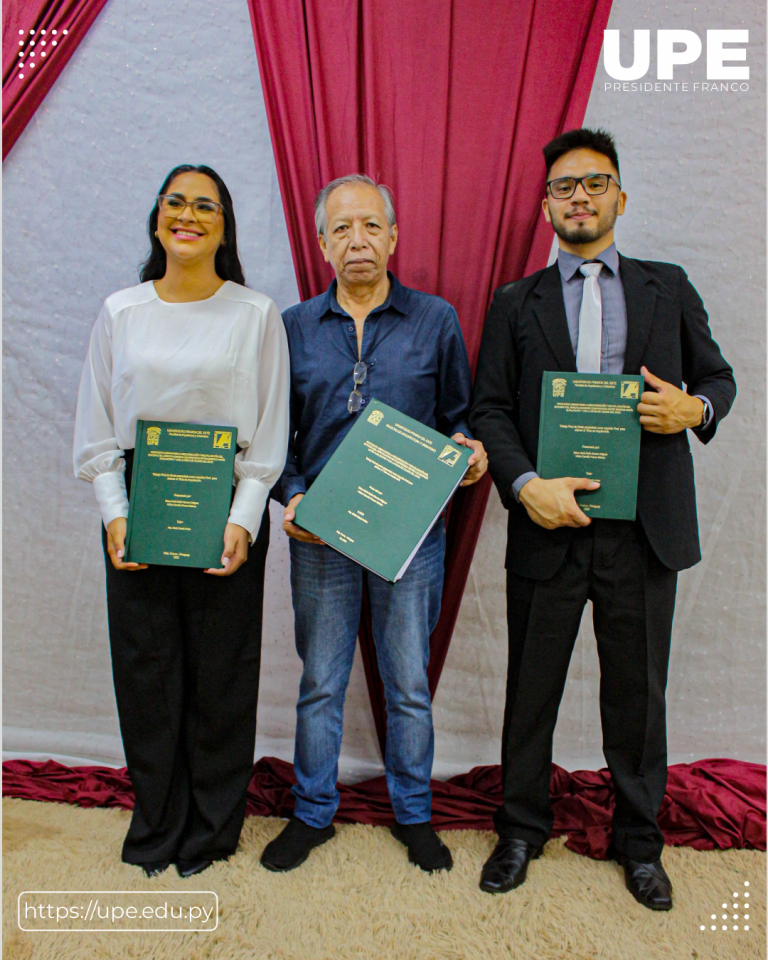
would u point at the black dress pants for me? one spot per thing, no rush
(186, 652)
(633, 594)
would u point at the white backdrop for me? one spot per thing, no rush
(151, 87)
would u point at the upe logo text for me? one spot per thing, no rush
(676, 48)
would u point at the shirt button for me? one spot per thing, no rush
(351, 329)
(362, 402)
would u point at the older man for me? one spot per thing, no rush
(366, 336)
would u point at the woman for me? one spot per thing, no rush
(190, 343)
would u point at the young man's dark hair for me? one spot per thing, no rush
(582, 139)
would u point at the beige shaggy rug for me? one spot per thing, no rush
(358, 897)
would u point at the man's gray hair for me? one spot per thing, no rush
(321, 217)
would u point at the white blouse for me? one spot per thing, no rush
(223, 360)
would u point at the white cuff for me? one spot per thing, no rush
(110, 493)
(248, 506)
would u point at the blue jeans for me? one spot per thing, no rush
(327, 594)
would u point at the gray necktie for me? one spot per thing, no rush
(590, 321)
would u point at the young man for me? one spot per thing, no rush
(366, 336)
(594, 311)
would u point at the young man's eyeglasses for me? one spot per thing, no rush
(593, 184)
(173, 206)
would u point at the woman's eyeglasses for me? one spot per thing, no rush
(173, 206)
(355, 398)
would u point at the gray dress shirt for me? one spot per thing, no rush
(614, 339)
(614, 333)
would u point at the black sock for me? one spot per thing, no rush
(425, 848)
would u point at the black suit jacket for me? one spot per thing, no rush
(526, 333)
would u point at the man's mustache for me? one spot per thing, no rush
(574, 213)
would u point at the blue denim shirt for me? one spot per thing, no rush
(417, 363)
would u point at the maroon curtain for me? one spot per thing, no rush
(449, 104)
(49, 29)
(709, 805)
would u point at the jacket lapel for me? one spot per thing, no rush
(549, 307)
(640, 298)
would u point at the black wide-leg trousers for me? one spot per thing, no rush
(633, 594)
(186, 652)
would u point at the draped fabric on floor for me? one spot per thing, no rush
(709, 805)
(44, 53)
(449, 104)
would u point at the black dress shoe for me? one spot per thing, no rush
(152, 868)
(292, 847)
(648, 883)
(507, 866)
(188, 868)
(425, 848)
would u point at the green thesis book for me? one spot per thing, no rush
(382, 490)
(181, 491)
(590, 427)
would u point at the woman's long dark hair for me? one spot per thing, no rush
(227, 262)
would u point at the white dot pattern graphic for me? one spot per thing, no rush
(735, 905)
(30, 44)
